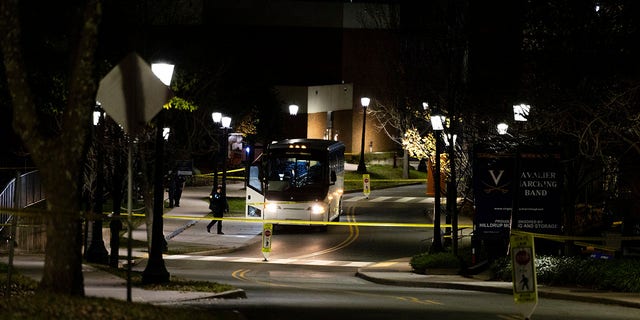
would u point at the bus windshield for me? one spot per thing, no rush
(295, 176)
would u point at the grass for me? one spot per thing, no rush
(27, 303)
(175, 284)
(381, 177)
(50, 306)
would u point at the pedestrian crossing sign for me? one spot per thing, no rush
(366, 185)
(267, 231)
(523, 268)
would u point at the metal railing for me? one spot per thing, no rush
(30, 192)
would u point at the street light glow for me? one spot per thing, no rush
(365, 101)
(437, 122)
(502, 128)
(521, 112)
(164, 72)
(96, 117)
(216, 116)
(226, 122)
(293, 109)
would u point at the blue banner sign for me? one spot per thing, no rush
(527, 183)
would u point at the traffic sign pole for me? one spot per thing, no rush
(525, 291)
(267, 231)
(366, 185)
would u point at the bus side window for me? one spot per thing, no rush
(333, 177)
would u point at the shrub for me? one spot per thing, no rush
(442, 260)
(618, 275)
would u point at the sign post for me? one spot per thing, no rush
(267, 231)
(132, 95)
(525, 291)
(366, 185)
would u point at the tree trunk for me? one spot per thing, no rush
(58, 156)
(405, 165)
(63, 254)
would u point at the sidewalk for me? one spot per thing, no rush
(185, 231)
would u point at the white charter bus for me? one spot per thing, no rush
(297, 179)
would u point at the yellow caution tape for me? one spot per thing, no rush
(561, 238)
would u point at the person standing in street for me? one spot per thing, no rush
(179, 185)
(218, 205)
(171, 187)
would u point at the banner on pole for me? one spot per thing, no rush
(527, 184)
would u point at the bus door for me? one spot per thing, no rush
(255, 192)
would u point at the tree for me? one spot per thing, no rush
(57, 154)
(581, 78)
(409, 67)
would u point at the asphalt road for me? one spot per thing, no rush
(311, 275)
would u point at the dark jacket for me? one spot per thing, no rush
(218, 204)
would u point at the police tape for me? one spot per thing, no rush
(561, 238)
(320, 223)
(219, 172)
(386, 180)
(124, 215)
(39, 213)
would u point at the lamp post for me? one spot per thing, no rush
(156, 271)
(521, 112)
(452, 209)
(365, 103)
(293, 111)
(217, 118)
(97, 252)
(502, 128)
(226, 125)
(437, 126)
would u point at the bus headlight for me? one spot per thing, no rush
(271, 207)
(317, 209)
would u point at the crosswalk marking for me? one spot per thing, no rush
(336, 263)
(379, 199)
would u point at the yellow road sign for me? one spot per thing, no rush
(366, 185)
(523, 267)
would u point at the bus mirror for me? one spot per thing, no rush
(333, 176)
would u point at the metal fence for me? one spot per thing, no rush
(19, 194)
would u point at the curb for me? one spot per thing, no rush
(436, 285)
(543, 292)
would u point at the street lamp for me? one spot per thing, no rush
(225, 125)
(217, 119)
(164, 72)
(521, 112)
(365, 103)
(293, 109)
(156, 271)
(502, 128)
(216, 116)
(452, 209)
(97, 252)
(437, 126)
